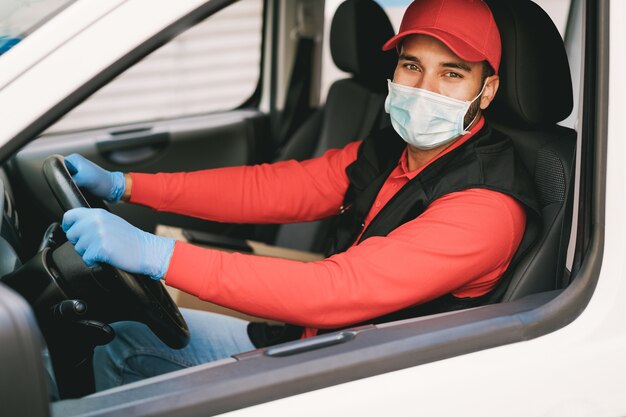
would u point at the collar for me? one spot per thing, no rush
(403, 163)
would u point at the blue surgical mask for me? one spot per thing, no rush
(425, 119)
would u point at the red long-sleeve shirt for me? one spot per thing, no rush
(461, 244)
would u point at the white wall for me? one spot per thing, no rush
(212, 66)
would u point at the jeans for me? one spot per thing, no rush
(136, 353)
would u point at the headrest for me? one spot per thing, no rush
(535, 81)
(357, 34)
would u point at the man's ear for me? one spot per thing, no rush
(491, 88)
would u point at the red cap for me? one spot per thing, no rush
(467, 27)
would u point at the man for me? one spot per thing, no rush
(429, 213)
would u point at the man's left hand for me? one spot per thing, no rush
(102, 237)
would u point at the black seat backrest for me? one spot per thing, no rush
(354, 106)
(535, 94)
(359, 29)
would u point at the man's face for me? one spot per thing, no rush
(427, 63)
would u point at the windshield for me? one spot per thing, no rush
(19, 18)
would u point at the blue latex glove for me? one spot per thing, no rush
(101, 183)
(102, 237)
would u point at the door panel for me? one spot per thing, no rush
(189, 144)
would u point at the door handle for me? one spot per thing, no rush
(132, 139)
(305, 345)
(128, 147)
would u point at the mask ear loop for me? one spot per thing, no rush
(465, 131)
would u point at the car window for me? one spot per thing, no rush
(556, 9)
(213, 66)
(18, 18)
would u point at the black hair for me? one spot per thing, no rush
(487, 72)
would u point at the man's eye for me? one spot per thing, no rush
(453, 75)
(411, 67)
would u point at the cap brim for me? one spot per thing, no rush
(456, 45)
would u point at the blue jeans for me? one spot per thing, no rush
(136, 353)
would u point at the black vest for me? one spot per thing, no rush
(488, 160)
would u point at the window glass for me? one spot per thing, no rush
(557, 9)
(211, 67)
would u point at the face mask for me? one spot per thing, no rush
(425, 119)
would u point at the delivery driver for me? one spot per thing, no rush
(429, 211)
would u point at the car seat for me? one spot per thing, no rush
(353, 108)
(535, 94)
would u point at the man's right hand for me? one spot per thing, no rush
(99, 182)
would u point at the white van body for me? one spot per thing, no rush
(578, 369)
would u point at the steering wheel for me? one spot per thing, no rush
(138, 297)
